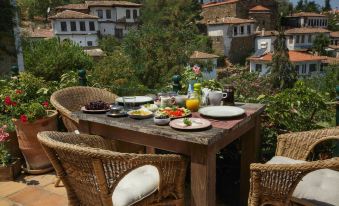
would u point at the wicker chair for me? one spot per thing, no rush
(72, 99)
(275, 183)
(92, 174)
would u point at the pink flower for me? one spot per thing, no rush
(23, 118)
(45, 104)
(8, 100)
(3, 135)
(196, 69)
(18, 91)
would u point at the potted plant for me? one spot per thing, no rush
(10, 167)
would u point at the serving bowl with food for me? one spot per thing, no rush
(161, 119)
(150, 107)
(96, 107)
(140, 114)
(175, 112)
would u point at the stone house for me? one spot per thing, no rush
(302, 38)
(305, 64)
(263, 17)
(232, 37)
(78, 27)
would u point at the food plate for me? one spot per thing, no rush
(222, 111)
(119, 114)
(175, 112)
(196, 123)
(94, 111)
(140, 114)
(138, 100)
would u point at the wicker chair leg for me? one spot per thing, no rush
(57, 182)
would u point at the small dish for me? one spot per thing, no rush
(161, 119)
(117, 114)
(140, 114)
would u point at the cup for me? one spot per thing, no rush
(129, 103)
(215, 97)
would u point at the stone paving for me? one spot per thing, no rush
(32, 190)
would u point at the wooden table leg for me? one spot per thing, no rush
(250, 151)
(203, 176)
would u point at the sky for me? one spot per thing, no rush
(334, 3)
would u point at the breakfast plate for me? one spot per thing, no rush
(100, 111)
(140, 114)
(175, 112)
(222, 111)
(190, 123)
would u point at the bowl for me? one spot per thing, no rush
(161, 122)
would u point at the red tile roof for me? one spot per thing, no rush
(68, 14)
(308, 14)
(229, 20)
(39, 33)
(334, 46)
(202, 55)
(334, 34)
(295, 56)
(218, 3)
(306, 30)
(112, 3)
(73, 7)
(259, 8)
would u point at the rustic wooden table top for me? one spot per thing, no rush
(205, 137)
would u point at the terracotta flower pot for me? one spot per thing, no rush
(11, 171)
(37, 161)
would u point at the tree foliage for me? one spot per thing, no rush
(320, 42)
(327, 6)
(38, 7)
(51, 58)
(307, 6)
(161, 47)
(109, 44)
(282, 74)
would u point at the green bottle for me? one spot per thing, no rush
(197, 91)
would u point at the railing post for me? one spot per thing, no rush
(337, 105)
(82, 77)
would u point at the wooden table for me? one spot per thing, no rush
(200, 146)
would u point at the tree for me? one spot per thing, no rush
(327, 6)
(51, 58)
(333, 20)
(109, 44)
(6, 28)
(306, 6)
(162, 45)
(299, 6)
(320, 42)
(282, 74)
(38, 7)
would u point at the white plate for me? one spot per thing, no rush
(197, 123)
(138, 100)
(221, 111)
(136, 116)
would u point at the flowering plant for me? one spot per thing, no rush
(192, 73)
(5, 157)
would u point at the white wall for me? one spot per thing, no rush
(259, 40)
(81, 40)
(56, 25)
(313, 21)
(307, 43)
(302, 68)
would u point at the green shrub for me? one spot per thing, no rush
(51, 58)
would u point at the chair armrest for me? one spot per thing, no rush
(278, 181)
(298, 145)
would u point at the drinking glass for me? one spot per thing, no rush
(129, 103)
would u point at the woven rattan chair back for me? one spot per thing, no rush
(90, 172)
(72, 99)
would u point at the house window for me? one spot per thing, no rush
(82, 26)
(235, 31)
(108, 14)
(89, 43)
(135, 14)
(313, 67)
(63, 25)
(242, 30)
(297, 39)
(258, 68)
(303, 69)
(297, 69)
(73, 26)
(302, 39)
(309, 38)
(91, 26)
(249, 29)
(128, 14)
(118, 33)
(100, 13)
(263, 23)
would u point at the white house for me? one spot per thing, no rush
(115, 17)
(230, 28)
(334, 36)
(310, 19)
(76, 26)
(302, 38)
(304, 63)
(264, 40)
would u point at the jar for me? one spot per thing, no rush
(229, 90)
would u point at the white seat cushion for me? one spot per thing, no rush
(136, 185)
(321, 187)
